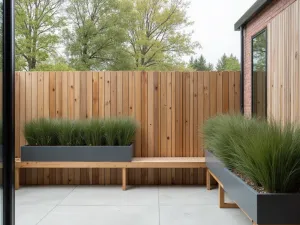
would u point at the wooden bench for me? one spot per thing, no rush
(146, 163)
(222, 203)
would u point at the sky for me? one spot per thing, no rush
(214, 26)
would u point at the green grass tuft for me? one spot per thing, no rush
(41, 132)
(267, 153)
(70, 133)
(95, 132)
(126, 131)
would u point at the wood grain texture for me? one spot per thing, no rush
(171, 108)
(283, 101)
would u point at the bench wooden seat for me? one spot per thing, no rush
(147, 163)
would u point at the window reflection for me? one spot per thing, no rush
(259, 75)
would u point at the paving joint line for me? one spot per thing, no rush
(56, 205)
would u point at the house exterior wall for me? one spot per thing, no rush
(257, 24)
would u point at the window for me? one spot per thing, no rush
(259, 74)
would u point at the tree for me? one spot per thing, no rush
(53, 67)
(56, 64)
(200, 64)
(97, 36)
(156, 33)
(228, 63)
(36, 25)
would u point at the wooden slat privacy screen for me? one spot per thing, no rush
(284, 65)
(170, 106)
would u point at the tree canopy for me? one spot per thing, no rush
(37, 23)
(200, 64)
(103, 34)
(97, 36)
(228, 63)
(156, 37)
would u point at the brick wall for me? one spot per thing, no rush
(255, 25)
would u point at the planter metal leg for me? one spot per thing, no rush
(124, 178)
(222, 203)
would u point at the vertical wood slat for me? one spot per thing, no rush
(61, 107)
(28, 114)
(77, 174)
(113, 113)
(200, 113)
(107, 107)
(64, 104)
(150, 121)
(83, 115)
(95, 114)
(131, 87)
(179, 124)
(119, 108)
(34, 115)
(171, 107)
(46, 114)
(70, 179)
(195, 127)
(169, 124)
(144, 123)
(283, 65)
(89, 114)
(40, 114)
(101, 115)
(138, 116)
(173, 126)
(53, 176)
(163, 124)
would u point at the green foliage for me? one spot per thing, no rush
(120, 131)
(36, 25)
(53, 67)
(111, 132)
(96, 38)
(200, 64)
(70, 133)
(267, 153)
(94, 133)
(126, 131)
(156, 33)
(41, 132)
(228, 63)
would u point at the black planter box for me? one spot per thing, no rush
(77, 153)
(261, 208)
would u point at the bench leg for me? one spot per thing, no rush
(208, 180)
(124, 179)
(17, 178)
(222, 203)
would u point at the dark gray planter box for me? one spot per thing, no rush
(261, 208)
(77, 153)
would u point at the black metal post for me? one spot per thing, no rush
(8, 112)
(242, 70)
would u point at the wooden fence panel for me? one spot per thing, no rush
(171, 108)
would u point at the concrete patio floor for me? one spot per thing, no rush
(109, 205)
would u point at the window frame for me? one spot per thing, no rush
(266, 72)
